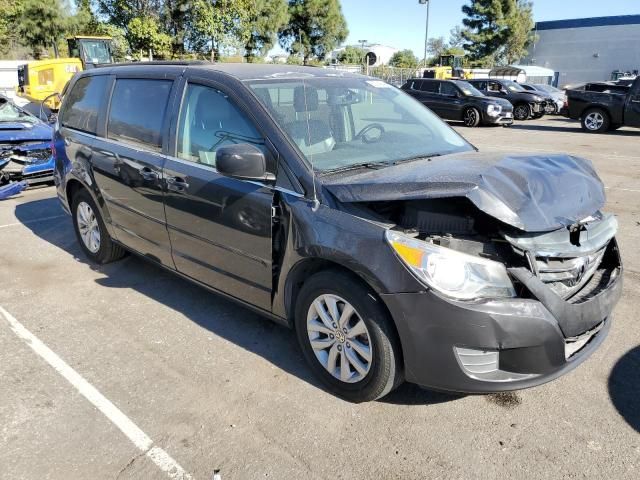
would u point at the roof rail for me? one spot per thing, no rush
(157, 62)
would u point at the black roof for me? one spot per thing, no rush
(242, 71)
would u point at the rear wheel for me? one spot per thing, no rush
(521, 111)
(347, 337)
(471, 117)
(91, 231)
(595, 120)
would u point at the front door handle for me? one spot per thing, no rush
(177, 184)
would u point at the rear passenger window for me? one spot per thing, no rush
(137, 111)
(83, 103)
(431, 87)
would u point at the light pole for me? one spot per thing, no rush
(363, 43)
(426, 31)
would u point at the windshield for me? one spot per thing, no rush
(10, 113)
(513, 86)
(468, 89)
(547, 88)
(343, 122)
(95, 51)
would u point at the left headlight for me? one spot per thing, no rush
(452, 273)
(493, 110)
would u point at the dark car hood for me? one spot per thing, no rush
(22, 131)
(535, 193)
(494, 100)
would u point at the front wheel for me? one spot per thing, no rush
(471, 117)
(522, 111)
(595, 120)
(347, 337)
(91, 231)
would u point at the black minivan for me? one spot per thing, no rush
(338, 205)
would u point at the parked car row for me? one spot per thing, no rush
(481, 102)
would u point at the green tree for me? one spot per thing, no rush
(456, 37)
(175, 18)
(213, 20)
(521, 32)
(404, 59)
(119, 43)
(267, 17)
(436, 47)
(121, 12)
(487, 30)
(145, 36)
(315, 28)
(351, 55)
(10, 14)
(41, 24)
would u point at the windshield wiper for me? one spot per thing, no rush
(419, 157)
(357, 166)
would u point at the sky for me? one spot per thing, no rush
(401, 23)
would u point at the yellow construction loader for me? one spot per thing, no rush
(40, 79)
(449, 66)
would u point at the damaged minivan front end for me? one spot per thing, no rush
(516, 274)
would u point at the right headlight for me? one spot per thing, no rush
(454, 274)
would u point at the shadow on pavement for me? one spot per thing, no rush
(220, 316)
(624, 387)
(572, 127)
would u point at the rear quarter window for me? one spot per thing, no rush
(82, 104)
(138, 107)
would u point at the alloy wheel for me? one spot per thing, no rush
(339, 338)
(521, 112)
(594, 121)
(470, 117)
(88, 227)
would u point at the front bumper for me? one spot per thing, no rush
(538, 107)
(33, 173)
(525, 341)
(503, 118)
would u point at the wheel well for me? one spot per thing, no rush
(595, 107)
(305, 269)
(73, 186)
(308, 267)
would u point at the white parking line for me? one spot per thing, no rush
(108, 409)
(32, 221)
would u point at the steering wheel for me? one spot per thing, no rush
(362, 134)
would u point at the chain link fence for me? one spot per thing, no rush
(394, 76)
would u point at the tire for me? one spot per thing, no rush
(86, 216)
(380, 365)
(522, 111)
(595, 120)
(471, 117)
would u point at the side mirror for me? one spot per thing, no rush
(242, 161)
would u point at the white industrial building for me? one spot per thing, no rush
(587, 49)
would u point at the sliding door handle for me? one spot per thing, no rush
(177, 184)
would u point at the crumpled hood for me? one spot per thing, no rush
(535, 193)
(16, 131)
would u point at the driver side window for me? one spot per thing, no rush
(209, 120)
